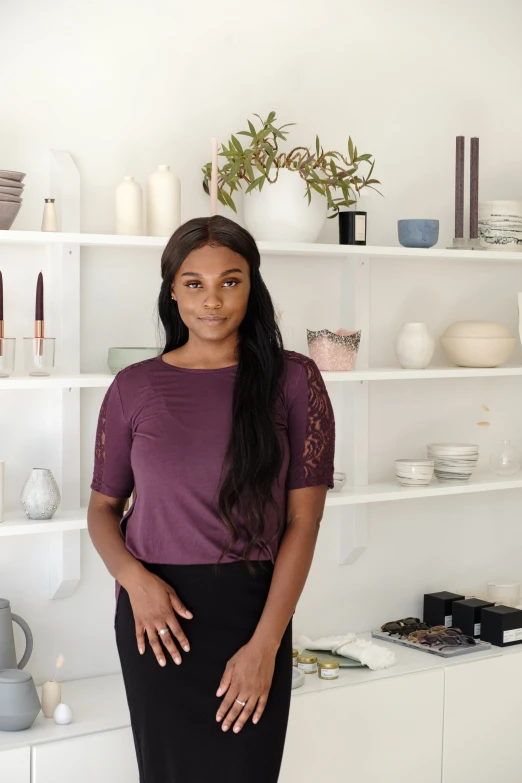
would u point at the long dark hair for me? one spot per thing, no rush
(254, 454)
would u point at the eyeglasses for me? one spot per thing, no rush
(447, 638)
(404, 627)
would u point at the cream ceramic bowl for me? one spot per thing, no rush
(477, 343)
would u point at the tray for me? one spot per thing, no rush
(456, 652)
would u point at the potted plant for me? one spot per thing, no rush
(309, 182)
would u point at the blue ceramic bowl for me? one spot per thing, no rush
(418, 233)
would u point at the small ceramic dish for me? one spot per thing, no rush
(298, 677)
(15, 175)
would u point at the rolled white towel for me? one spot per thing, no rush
(349, 646)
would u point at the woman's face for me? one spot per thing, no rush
(211, 288)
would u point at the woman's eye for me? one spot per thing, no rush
(192, 284)
(234, 282)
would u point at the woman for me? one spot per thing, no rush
(228, 441)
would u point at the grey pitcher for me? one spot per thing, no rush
(7, 644)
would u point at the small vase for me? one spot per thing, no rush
(129, 208)
(505, 460)
(50, 218)
(51, 697)
(163, 203)
(333, 352)
(40, 496)
(414, 346)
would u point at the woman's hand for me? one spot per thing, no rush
(247, 678)
(154, 605)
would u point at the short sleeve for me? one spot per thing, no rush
(311, 432)
(112, 454)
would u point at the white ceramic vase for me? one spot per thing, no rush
(51, 697)
(50, 218)
(129, 208)
(163, 203)
(40, 496)
(280, 212)
(414, 346)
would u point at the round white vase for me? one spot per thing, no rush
(280, 212)
(40, 495)
(414, 346)
(129, 208)
(163, 203)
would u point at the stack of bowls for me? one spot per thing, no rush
(454, 462)
(414, 472)
(11, 190)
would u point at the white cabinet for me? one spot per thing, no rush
(15, 766)
(108, 757)
(483, 721)
(387, 730)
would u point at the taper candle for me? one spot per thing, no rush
(214, 178)
(459, 187)
(39, 309)
(474, 188)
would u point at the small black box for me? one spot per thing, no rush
(467, 615)
(501, 625)
(438, 608)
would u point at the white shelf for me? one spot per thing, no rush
(17, 524)
(266, 248)
(83, 381)
(390, 490)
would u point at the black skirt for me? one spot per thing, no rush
(173, 708)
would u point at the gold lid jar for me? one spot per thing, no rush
(295, 653)
(328, 669)
(307, 662)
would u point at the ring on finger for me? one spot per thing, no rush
(163, 631)
(243, 703)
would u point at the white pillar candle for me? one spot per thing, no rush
(2, 464)
(51, 697)
(214, 178)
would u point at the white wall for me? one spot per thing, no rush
(124, 86)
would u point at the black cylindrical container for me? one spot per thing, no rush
(352, 228)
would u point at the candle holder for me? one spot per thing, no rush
(39, 355)
(461, 243)
(7, 356)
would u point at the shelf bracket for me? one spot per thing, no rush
(64, 563)
(353, 534)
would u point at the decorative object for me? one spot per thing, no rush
(163, 202)
(40, 495)
(504, 460)
(63, 714)
(19, 702)
(8, 212)
(414, 346)
(478, 343)
(501, 625)
(467, 615)
(52, 692)
(11, 191)
(474, 189)
(500, 225)
(459, 241)
(50, 218)
(507, 593)
(39, 355)
(438, 608)
(418, 233)
(261, 163)
(454, 462)
(339, 481)
(352, 228)
(295, 653)
(350, 646)
(15, 176)
(414, 472)
(7, 642)
(307, 663)
(129, 208)
(459, 187)
(119, 358)
(214, 178)
(7, 356)
(298, 678)
(334, 352)
(2, 476)
(328, 669)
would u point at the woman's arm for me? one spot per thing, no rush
(249, 673)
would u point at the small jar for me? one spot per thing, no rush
(307, 663)
(328, 669)
(295, 653)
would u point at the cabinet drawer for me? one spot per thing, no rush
(15, 766)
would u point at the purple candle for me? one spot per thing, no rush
(459, 187)
(1, 298)
(473, 189)
(39, 310)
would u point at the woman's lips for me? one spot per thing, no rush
(213, 320)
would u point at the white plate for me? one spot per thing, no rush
(298, 677)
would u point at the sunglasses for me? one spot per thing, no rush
(404, 627)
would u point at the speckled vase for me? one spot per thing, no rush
(334, 351)
(40, 496)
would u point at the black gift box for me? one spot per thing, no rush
(438, 608)
(501, 625)
(467, 615)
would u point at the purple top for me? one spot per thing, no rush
(164, 430)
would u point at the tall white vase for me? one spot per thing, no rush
(280, 212)
(40, 495)
(163, 203)
(129, 208)
(414, 346)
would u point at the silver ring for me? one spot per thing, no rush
(243, 703)
(163, 631)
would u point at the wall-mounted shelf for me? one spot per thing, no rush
(17, 524)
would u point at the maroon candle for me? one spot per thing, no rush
(1, 298)
(39, 313)
(459, 187)
(473, 189)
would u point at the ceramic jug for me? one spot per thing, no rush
(7, 644)
(19, 702)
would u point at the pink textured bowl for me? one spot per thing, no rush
(334, 351)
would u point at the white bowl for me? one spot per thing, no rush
(339, 481)
(478, 343)
(414, 472)
(460, 449)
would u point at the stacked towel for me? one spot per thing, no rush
(349, 646)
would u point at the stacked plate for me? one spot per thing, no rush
(454, 462)
(11, 190)
(414, 472)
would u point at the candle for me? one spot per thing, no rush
(39, 310)
(473, 189)
(459, 187)
(214, 178)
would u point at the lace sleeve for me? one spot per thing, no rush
(311, 431)
(112, 474)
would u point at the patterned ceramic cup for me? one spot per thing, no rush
(334, 352)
